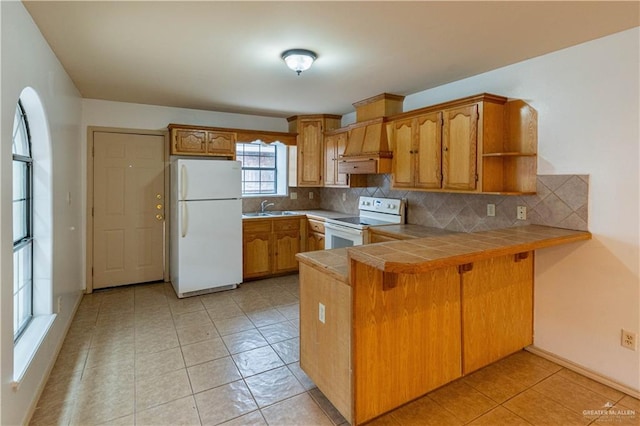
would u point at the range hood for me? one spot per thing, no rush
(367, 149)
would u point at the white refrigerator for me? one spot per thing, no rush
(206, 226)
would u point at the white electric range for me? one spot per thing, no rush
(354, 231)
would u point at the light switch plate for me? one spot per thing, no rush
(321, 312)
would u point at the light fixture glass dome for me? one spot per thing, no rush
(299, 59)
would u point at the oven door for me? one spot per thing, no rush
(336, 236)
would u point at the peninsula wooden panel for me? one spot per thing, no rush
(325, 348)
(406, 339)
(497, 309)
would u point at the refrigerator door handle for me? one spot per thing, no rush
(183, 182)
(184, 222)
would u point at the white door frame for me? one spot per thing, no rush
(89, 212)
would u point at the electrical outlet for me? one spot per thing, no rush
(59, 304)
(311, 195)
(344, 196)
(321, 312)
(293, 195)
(522, 213)
(491, 210)
(629, 340)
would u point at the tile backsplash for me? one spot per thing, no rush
(302, 202)
(560, 201)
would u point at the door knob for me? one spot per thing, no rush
(159, 217)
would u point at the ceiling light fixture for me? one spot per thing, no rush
(299, 59)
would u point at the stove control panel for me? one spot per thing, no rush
(382, 205)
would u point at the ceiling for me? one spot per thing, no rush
(225, 56)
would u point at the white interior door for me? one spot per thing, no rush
(129, 208)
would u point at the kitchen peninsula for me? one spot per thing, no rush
(383, 324)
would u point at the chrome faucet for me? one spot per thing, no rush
(264, 205)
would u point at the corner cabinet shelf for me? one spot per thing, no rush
(510, 167)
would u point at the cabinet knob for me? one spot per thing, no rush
(445, 149)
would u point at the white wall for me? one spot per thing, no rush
(587, 98)
(27, 60)
(151, 117)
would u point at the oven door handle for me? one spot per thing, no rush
(339, 228)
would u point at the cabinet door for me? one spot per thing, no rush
(330, 160)
(459, 148)
(497, 309)
(256, 256)
(286, 245)
(428, 151)
(315, 241)
(342, 179)
(402, 164)
(189, 142)
(310, 153)
(221, 143)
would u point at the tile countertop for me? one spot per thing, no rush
(407, 232)
(425, 253)
(313, 214)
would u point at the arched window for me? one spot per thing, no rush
(22, 223)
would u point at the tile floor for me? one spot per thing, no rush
(139, 356)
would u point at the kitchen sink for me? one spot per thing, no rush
(270, 213)
(280, 213)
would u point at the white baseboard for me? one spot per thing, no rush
(583, 371)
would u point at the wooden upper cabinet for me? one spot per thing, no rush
(403, 159)
(460, 148)
(428, 151)
(188, 142)
(193, 140)
(221, 143)
(482, 144)
(310, 144)
(334, 146)
(310, 153)
(417, 152)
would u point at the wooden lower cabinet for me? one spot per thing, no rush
(315, 235)
(383, 346)
(286, 244)
(269, 246)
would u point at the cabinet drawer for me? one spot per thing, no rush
(358, 167)
(316, 226)
(286, 225)
(253, 225)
